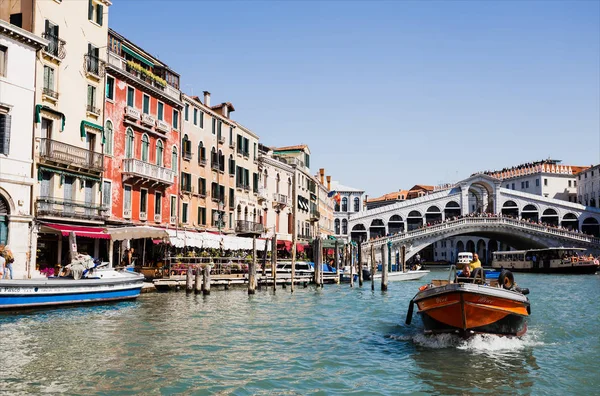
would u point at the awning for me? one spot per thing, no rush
(136, 232)
(281, 244)
(90, 125)
(64, 173)
(38, 119)
(80, 231)
(300, 247)
(137, 56)
(205, 240)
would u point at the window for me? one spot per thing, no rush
(537, 182)
(522, 185)
(307, 160)
(214, 123)
(231, 165)
(184, 212)
(160, 109)
(513, 186)
(219, 128)
(129, 143)
(3, 56)
(546, 182)
(201, 153)
(186, 182)
(173, 206)
(344, 204)
(254, 155)
(201, 216)
(186, 148)
(130, 96)
(157, 203)
(49, 82)
(159, 152)
(255, 182)
(201, 186)
(175, 119)
(527, 184)
(344, 227)
(92, 59)
(201, 115)
(143, 200)
(51, 34)
(246, 147)
(108, 136)
(110, 88)
(337, 226)
(107, 194)
(127, 200)
(230, 135)
(145, 147)
(174, 159)
(91, 100)
(569, 183)
(231, 198)
(356, 204)
(146, 104)
(508, 186)
(5, 133)
(95, 12)
(195, 116)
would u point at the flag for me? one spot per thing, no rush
(337, 197)
(331, 194)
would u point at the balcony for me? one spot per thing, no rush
(132, 113)
(135, 168)
(53, 207)
(314, 214)
(202, 161)
(242, 186)
(280, 199)
(232, 145)
(262, 194)
(157, 218)
(221, 139)
(94, 66)
(93, 109)
(187, 155)
(304, 235)
(148, 120)
(56, 46)
(143, 216)
(49, 93)
(52, 151)
(248, 227)
(163, 126)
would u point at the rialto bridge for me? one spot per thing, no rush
(479, 206)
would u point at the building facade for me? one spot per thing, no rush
(351, 202)
(248, 212)
(325, 205)
(142, 136)
(18, 50)
(588, 187)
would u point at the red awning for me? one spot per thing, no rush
(330, 252)
(86, 232)
(300, 247)
(287, 245)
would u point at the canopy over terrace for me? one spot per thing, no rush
(133, 232)
(80, 231)
(207, 240)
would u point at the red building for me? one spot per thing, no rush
(142, 134)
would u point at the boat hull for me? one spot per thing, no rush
(466, 309)
(27, 294)
(575, 269)
(403, 276)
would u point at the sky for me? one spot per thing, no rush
(389, 94)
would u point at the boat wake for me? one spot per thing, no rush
(484, 343)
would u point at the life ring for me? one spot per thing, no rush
(478, 275)
(506, 280)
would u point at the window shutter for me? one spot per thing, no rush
(90, 49)
(47, 26)
(51, 78)
(90, 10)
(100, 14)
(55, 31)
(4, 134)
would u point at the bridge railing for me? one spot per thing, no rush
(484, 220)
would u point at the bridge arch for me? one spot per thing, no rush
(550, 216)
(570, 221)
(377, 228)
(590, 226)
(530, 212)
(452, 209)
(433, 215)
(395, 224)
(483, 189)
(470, 246)
(414, 220)
(358, 233)
(510, 208)
(481, 250)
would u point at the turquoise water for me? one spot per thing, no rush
(335, 340)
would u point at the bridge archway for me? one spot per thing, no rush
(483, 189)
(452, 209)
(377, 228)
(570, 221)
(550, 216)
(510, 209)
(433, 215)
(590, 226)
(414, 220)
(470, 246)
(530, 212)
(359, 233)
(482, 251)
(395, 224)
(492, 247)
(460, 247)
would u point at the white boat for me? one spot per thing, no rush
(403, 276)
(560, 260)
(97, 285)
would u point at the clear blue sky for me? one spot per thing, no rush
(394, 93)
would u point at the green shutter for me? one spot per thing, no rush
(4, 134)
(90, 10)
(99, 14)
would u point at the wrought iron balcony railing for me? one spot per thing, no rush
(68, 155)
(50, 93)
(93, 109)
(280, 198)
(248, 227)
(50, 206)
(304, 235)
(94, 65)
(56, 46)
(135, 168)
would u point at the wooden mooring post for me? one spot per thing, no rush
(403, 257)
(72, 247)
(350, 263)
(384, 268)
(252, 269)
(198, 280)
(336, 261)
(373, 267)
(206, 280)
(360, 265)
(189, 280)
(274, 260)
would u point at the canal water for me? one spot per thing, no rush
(335, 340)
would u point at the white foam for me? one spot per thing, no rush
(484, 343)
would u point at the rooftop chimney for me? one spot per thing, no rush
(328, 183)
(322, 175)
(224, 110)
(206, 98)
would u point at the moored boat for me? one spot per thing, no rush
(467, 306)
(403, 276)
(548, 261)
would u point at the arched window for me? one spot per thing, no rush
(221, 161)
(289, 187)
(201, 153)
(129, 143)
(337, 206)
(337, 226)
(174, 160)
(266, 176)
(4, 212)
(344, 204)
(214, 158)
(108, 138)
(159, 152)
(186, 147)
(356, 204)
(145, 147)
(231, 165)
(277, 180)
(344, 227)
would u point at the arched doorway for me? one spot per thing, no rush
(550, 217)
(570, 222)
(433, 215)
(452, 209)
(470, 247)
(530, 213)
(414, 220)
(377, 228)
(395, 224)
(359, 233)
(510, 209)
(590, 226)
(4, 212)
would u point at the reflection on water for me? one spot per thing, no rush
(332, 340)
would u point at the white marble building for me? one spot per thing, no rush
(18, 50)
(351, 202)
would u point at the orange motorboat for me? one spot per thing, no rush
(468, 306)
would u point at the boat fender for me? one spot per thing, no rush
(524, 291)
(424, 287)
(409, 314)
(506, 279)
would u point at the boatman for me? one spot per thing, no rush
(475, 263)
